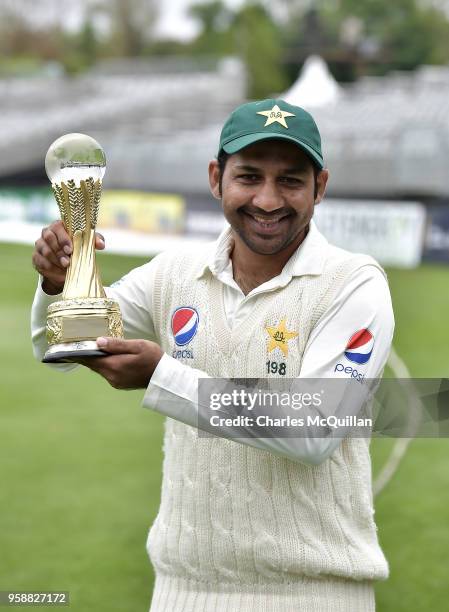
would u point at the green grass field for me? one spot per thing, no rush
(81, 464)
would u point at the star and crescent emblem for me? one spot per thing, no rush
(279, 337)
(276, 115)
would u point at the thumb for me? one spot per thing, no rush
(118, 345)
(99, 241)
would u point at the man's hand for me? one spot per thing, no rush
(51, 256)
(130, 364)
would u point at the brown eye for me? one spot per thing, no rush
(290, 180)
(248, 177)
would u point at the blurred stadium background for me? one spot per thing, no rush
(80, 462)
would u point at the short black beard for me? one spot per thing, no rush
(251, 246)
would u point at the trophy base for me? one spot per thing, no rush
(71, 352)
(74, 325)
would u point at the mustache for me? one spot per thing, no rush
(279, 212)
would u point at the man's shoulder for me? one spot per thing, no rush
(186, 258)
(339, 258)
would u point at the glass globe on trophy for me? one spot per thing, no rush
(75, 165)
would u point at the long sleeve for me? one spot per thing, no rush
(363, 304)
(133, 292)
(38, 324)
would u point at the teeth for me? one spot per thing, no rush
(264, 221)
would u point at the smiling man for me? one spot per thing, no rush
(271, 189)
(262, 524)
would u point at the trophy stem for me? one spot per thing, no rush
(83, 277)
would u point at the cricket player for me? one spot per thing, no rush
(252, 524)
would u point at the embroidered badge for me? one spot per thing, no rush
(279, 337)
(275, 115)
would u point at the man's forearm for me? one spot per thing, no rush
(173, 392)
(38, 326)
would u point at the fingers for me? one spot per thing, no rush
(51, 256)
(109, 367)
(93, 363)
(56, 257)
(57, 240)
(120, 346)
(59, 233)
(54, 245)
(48, 269)
(50, 265)
(130, 364)
(99, 241)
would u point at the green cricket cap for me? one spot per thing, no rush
(272, 118)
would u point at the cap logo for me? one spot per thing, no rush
(275, 115)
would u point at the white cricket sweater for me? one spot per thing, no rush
(240, 522)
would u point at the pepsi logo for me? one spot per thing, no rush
(360, 346)
(184, 324)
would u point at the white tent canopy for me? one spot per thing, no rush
(315, 85)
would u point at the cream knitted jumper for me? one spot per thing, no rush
(240, 528)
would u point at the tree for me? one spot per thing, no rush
(214, 37)
(407, 32)
(369, 37)
(249, 33)
(257, 40)
(88, 42)
(421, 37)
(131, 24)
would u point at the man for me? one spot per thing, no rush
(262, 524)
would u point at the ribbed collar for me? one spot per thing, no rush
(308, 258)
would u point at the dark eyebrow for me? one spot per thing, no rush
(248, 168)
(295, 170)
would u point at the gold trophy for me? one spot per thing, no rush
(75, 165)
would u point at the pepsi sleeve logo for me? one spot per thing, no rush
(184, 324)
(360, 347)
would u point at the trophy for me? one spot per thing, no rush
(75, 165)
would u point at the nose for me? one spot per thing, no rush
(268, 197)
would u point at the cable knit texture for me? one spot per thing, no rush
(242, 529)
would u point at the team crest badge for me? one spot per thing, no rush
(184, 325)
(276, 115)
(279, 337)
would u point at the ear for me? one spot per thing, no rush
(321, 180)
(214, 178)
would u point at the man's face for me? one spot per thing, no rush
(268, 194)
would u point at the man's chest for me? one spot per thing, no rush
(226, 334)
